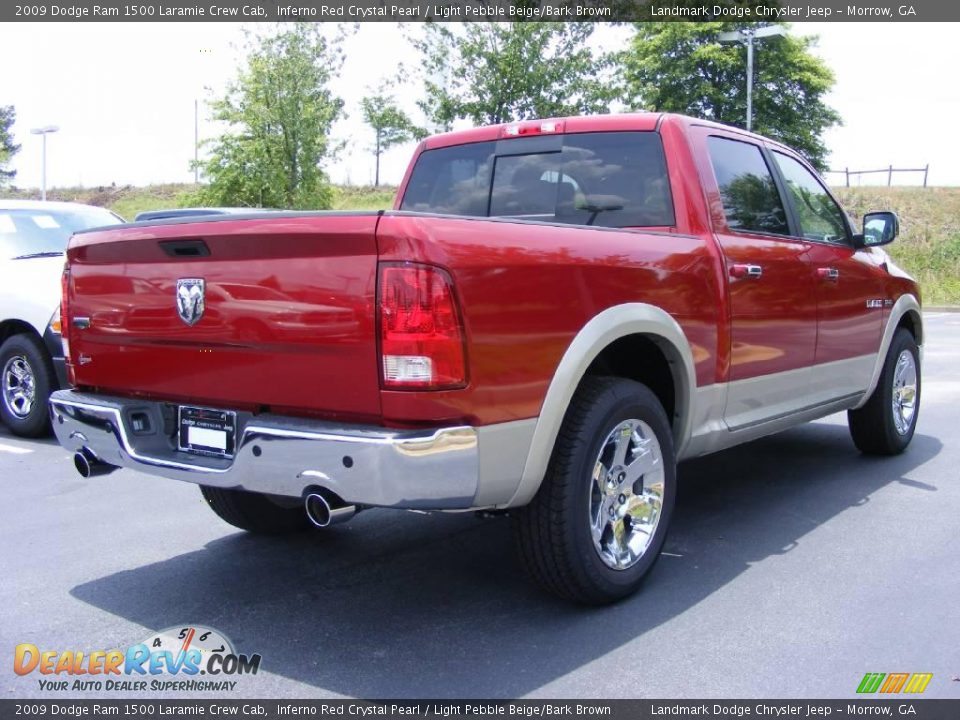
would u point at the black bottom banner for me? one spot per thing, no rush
(914, 709)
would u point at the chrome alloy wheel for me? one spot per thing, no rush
(19, 386)
(904, 398)
(626, 494)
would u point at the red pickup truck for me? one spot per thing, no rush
(553, 314)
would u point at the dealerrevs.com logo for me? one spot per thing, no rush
(186, 658)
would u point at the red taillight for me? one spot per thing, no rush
(421, 336)
(65, 321)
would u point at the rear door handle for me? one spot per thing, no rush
(741, 270)
(828, 273)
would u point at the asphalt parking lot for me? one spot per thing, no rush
(794, 566)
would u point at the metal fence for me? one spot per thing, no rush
(847, 172)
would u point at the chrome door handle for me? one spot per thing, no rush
(828, 273)
(740, 270)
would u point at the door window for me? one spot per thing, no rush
(751, 202)
(821, 219)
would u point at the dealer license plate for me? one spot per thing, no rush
(206, 431)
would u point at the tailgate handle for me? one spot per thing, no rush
(185, 248)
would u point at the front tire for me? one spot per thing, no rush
(886, 423)
(26, 381)
(255, 512)
(598, 523)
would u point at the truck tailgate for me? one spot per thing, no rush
(287, 321)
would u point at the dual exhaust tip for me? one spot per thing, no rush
(325, 509)
(89, 465)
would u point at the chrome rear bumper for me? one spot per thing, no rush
(423, 469)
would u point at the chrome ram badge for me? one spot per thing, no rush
(190, 293)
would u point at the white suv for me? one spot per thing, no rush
(33, 236)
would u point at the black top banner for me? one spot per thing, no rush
(480, 10)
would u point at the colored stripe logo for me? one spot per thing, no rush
(892, 683)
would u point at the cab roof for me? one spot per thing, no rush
(639, 121)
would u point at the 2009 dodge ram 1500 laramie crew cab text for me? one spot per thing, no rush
(554, 314)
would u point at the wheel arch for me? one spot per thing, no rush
(9, 328)
(905, 313)
(615, 342)
(912, 321)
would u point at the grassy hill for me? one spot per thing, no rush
(929, 243)
(929, 246)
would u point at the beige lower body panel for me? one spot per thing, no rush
(731, 413)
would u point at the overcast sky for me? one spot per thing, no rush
(123, 96)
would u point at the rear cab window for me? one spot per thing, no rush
(604, 179)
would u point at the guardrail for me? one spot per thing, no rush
(847, 172)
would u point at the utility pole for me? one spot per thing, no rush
(747, 36)
(44, 131)
(196, 142)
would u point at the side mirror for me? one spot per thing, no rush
(879, 228)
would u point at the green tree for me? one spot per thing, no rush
(391, 126)
(7, 147)
(278, 111)
(501, 72)
(681, 67)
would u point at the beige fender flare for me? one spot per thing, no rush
(906, 304)
(610, 325)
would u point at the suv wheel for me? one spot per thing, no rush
(26, 381)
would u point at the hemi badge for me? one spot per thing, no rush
(872, 304)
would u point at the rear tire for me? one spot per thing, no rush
(255, 512)
(597, 525)
(886, 423)
(26, 380)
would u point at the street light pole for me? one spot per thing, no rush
(44, 131)
(196, 142)
(746, 36)
(749, 81)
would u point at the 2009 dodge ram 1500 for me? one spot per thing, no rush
(554, 314)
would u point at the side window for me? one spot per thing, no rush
(820, 217)
(751, 202)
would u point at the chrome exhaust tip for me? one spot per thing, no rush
(89, 465)
(324, 512)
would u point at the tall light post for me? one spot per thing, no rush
(196, 141)
(747, 36)
(44, 131)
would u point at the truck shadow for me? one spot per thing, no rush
(396, 605)
(48, 440)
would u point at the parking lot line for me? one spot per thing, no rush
(13, 449)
